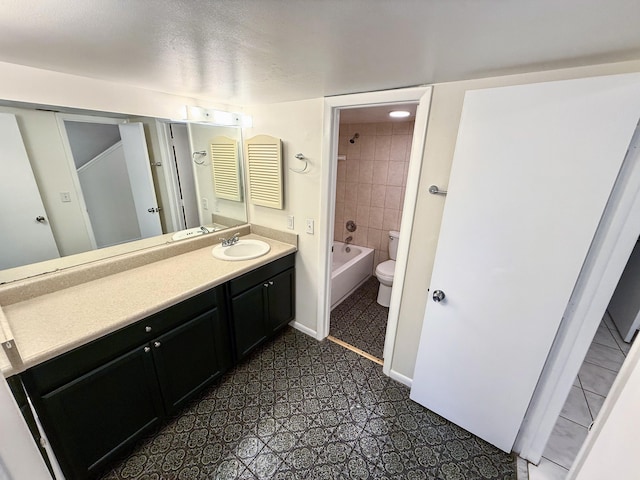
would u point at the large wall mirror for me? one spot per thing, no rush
(80, 186)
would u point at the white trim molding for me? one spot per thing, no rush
(403, 379)
(333, 105)
(613, 242)
(303, 329)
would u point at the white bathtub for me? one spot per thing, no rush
(349, 270)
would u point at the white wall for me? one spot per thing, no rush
(299, 125)
(27, 84)
(88, 140)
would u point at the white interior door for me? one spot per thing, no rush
(532, 172)
(139, 168)
(25, 236)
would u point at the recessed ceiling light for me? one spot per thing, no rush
(399, 114)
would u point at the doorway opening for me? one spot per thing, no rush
(604, 359)
(182, 176)
(335, 107)
(595, 345)
(371, 176)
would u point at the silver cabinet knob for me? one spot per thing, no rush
(147, 329)
(265, 284)
(147, 349)
(438, 296)
(156, 344)
(270, 283)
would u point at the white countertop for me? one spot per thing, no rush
(54, 323)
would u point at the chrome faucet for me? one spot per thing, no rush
(205, 230)
(349, 239)
(231, 240)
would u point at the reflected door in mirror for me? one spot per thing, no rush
(25, 236)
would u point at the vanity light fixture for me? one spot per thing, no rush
(399, 114)
(216, 117)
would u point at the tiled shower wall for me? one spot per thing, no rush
(371, 182)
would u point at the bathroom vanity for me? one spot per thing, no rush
(98, 396)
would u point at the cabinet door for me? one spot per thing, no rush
(281, 300)
(90, 419)
(250, 319)
(187, 358)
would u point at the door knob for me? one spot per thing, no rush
(438, 296)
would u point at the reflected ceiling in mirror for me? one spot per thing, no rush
(81, 186)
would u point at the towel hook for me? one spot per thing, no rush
(199, 156)
(304, 159)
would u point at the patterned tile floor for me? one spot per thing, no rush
(360, 321)
(303, 409)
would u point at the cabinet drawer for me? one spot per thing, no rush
(251, 279)
(56, 372)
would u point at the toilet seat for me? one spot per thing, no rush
(385, 270)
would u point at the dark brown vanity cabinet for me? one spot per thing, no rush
(98, 399)
(262, 302)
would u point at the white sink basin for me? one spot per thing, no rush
(243, 250)
(188, 233)
(191, 232)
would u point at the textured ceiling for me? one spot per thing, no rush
(262, 51)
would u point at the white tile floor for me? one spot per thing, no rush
(598, 371)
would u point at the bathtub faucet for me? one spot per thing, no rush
(349, 239)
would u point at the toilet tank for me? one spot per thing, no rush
(393, 244)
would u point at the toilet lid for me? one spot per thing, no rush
(386, 268)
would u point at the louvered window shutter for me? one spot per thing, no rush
(226, 168)
(264, 158)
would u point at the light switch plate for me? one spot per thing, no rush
(309, 229)
(290, 222)
(65, 197)
(205, 204)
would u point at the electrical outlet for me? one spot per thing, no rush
(65, 197)
(205, 204)
(309, 229)
(290, 222)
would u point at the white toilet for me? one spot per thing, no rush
(385, 270)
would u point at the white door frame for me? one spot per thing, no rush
(170, 176)
(332, 107)
(613, 242)
(60, 118)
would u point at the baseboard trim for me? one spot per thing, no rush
(403, 379)
(303, 329)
